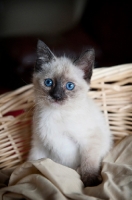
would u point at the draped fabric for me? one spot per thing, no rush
(45, 179)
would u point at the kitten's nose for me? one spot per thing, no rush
(57, 96)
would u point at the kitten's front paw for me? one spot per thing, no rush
(91, 179)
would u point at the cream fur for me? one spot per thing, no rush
(73, 133)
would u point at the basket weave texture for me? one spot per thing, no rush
(111, 88)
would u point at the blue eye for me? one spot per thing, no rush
(70, 86)
(48, 82)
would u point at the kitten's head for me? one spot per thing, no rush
(60, 80)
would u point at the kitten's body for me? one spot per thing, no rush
(67, 126)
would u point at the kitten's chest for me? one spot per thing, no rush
(55, 134)
(61, 126)
(61, 133)
(55, 128)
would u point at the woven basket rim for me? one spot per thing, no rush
(111, 88)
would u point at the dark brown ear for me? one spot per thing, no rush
(86, 63)
(44, 55)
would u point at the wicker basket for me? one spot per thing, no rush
(111, 88)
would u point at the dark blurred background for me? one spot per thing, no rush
(68, 26)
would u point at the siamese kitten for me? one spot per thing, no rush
(67, 126)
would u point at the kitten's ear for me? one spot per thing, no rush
(44, 55)
(86, 63)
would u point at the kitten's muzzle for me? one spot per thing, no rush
(58, 95)
(57, 92)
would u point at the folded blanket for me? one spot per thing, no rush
(45, 179)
